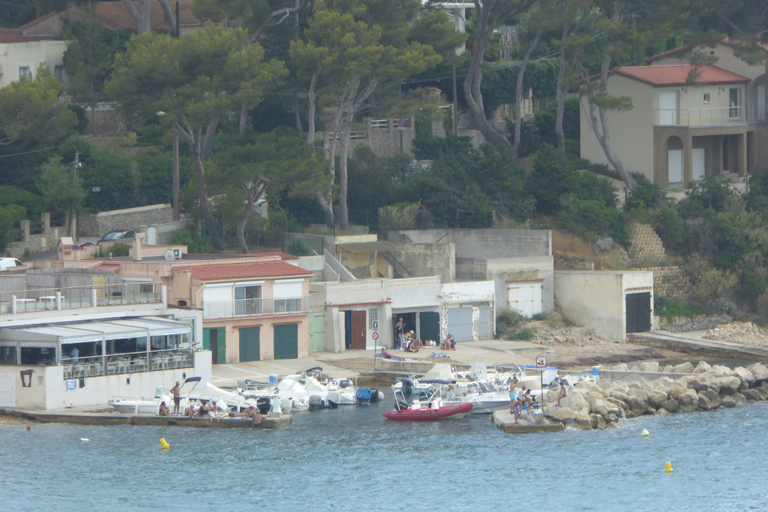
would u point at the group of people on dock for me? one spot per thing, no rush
(407, 341)
(520, 400)
(217, 409)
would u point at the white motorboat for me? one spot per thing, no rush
(125, 405)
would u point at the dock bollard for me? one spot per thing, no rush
(669, 468)
(164, 444)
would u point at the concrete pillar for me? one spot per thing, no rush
(45, 219)
(13, 304)
(94, 302)
(164, 294)
(687, 158)
(717, 155)
(25, 231)
(58, 301)
(742, 154)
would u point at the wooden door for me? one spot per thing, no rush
(358, 330)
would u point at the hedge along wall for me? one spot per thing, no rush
(500, 82)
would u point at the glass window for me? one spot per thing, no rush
(41, 356)
(373, 316)
(58, 72)
(25, 72)
(159, 342)
(7, 355)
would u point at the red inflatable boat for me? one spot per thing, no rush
(452, 412)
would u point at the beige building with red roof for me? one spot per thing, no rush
(687, 124)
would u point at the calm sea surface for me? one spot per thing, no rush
(353, 459)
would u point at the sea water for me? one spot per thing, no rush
(353, 459)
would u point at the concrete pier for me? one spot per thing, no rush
(103, 418)
(506, 422)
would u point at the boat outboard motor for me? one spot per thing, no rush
(344, 384)
(363, 396)
(407, 388)
(263, 404)
(400, 405)
(374, 395)
(316, 403)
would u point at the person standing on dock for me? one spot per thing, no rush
(176, 392)
(400, 330)
(563, 389)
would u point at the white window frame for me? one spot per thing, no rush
(28, 65)
(707, 98)
(373, 316)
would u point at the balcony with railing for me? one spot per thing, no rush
(726, 116)
(256, 307)
(75, 297)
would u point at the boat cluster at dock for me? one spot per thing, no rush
(440, 393)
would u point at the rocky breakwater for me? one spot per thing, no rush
(597, 405)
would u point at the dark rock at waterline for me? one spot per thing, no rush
(671, 405)
(751, 394)
(656, 398)
(712, 400)
(597, 421)
(729, 401)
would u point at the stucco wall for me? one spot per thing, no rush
(49, 389)
(130, 218)
(32, 54)
(500, 270)
(482, 243)
(593, 299)
(426, 259)
(631, 131)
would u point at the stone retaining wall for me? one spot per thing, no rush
(130, 218)
(669, 282)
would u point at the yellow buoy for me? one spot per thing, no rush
(669, 468)
(164, 444)
(645, 433)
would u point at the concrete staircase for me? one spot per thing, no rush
(645, 243)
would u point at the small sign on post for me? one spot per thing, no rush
(541, 365)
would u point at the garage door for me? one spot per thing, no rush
(638, 312)
(287, 341)
(317, 332)
(525, 298)
(249, 344)
(484, 322)
(460, 323)
(429, 326)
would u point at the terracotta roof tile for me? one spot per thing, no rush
(116, 14)
(244, 270)
(677, 74)
(108, 266)
(16, 36)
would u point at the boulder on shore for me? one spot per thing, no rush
(670, 405)
(729, 401)
(688, 401)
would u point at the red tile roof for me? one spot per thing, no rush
(677, 74)
(16, 36)
(108, 266)
(116, 14)
(215, 272)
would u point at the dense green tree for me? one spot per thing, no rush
(62, 190)
(88, 60)
(34, 109)
(194, 81)
(358, 44)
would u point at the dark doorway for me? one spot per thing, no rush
(410, 323)
(638, 312)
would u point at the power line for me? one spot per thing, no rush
(30, 152)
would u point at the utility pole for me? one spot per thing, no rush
(72, 211)
(176, 215)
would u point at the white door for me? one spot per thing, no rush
(675, 162)
(761, 103)
(698, 164)
(525, 298)
(668, 107)
(7, 390)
